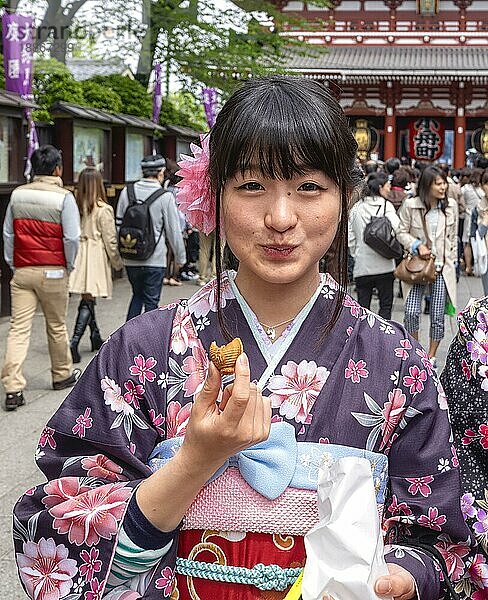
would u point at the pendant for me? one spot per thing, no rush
(271, 333)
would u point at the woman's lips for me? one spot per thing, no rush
(278, 252)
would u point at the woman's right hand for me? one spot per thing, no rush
(214, 432)
(424, 251)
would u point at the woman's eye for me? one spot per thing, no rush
(251, 186)
(310, 187)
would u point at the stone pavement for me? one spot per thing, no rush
(20, 430)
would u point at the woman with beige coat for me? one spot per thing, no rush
(92, 275)
(428, 225)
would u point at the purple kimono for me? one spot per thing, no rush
(366, 385)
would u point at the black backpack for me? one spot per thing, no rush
(379, 235)
(136, 234)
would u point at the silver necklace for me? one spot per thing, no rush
(271, 329)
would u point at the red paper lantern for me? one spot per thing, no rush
(426, 139)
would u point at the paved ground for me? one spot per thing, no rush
(20, 430)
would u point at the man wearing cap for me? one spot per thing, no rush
(146, 276)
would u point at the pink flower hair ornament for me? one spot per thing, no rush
(194, 198)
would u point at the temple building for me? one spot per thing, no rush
(412, 75)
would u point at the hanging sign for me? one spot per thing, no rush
(18, 58)
(426, 139)
(210, 105)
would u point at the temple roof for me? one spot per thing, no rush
(386, 62)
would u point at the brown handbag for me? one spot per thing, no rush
(416, 270)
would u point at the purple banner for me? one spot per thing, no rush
(158, 94)
(18, 53)
(210, 104)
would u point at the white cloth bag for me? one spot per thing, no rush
(345, 549)
(480, 255)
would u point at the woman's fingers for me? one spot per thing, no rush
(399, 584)
(226, 394)
(266, 403)
(210, 391)
(238, 401)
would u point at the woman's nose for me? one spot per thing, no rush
(281, 214)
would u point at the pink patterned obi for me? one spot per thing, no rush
(230, 504)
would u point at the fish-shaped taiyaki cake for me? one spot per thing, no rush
(225, 357)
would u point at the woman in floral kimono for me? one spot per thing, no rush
(465, 380)
(159, 485)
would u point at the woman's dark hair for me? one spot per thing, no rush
(475, 177)
(284, 126)
(90, 189)
(400, 178)
(392, 164)
(484, 177)
(170, 174)
(427, 178)
(464, 175)
(375, 182)
(45, 159)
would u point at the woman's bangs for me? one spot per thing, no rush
(280, 151)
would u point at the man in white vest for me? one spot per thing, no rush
(41, 235)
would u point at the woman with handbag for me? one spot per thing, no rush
(371, 270)
(92, 275)
(428, 230)
(483, 222)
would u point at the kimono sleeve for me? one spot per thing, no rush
(94, 453)
(423, 512)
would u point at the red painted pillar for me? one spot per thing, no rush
(390, 146)
(459, 138)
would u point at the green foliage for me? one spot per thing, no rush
(100, 96)
(133, 95)
(53, 82)
(114, 93)
(182, 108)
(201, 43)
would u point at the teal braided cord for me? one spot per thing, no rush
(263, 577)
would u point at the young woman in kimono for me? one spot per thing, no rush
(320, 377)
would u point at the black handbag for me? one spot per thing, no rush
(380, 236)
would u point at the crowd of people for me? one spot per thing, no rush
(434, 211)
(200, 484)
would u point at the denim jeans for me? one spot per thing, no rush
(146, 285)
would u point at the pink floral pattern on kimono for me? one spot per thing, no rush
(294, 391)
(142, 367)
(112, 395)
(453, 555)
(46, 570)
(183, 334)
(92, 515)
(60, 490)
(205, 300)
(101, 466)
(165, 582)
(91, 564)
(393, 411)
(178, 417)
(196, 367)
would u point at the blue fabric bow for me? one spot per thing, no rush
(280, 462)
(268, 467)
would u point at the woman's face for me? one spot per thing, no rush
(438, 188)
(279, 230)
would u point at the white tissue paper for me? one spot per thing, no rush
(345, 550)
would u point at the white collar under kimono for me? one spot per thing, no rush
(273, 352)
